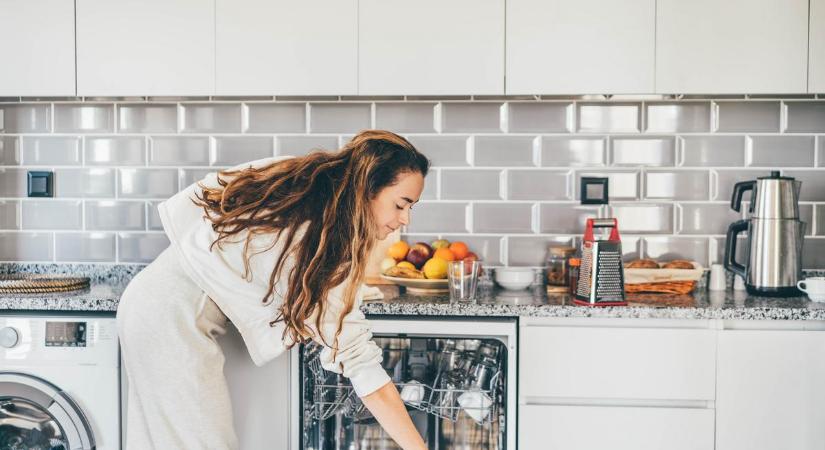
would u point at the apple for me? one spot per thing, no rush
(419, 254)
(386, 264)
(471, 257)
(441, 243)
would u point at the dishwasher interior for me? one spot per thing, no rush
(454, 387)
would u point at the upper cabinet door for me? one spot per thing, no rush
(731, 46)
(281, 47)
(145, 47)
(580, 47)
(431, 47)
(816, 64)
(37, 43)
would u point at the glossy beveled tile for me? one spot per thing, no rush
(140, 247)
(301, 145)
(671, 247)
(677, 185)
(712, 151)
(813, 253)
(727, 178)
(52, 214)
(747, 116)
(805, 117)
(705, 218)
(9, 214)
(573, 151)
(643, 151)
(481, 184)
(51, 150)
(565, 218)
(813, 184)
(276, 117)
(608, 117)
(186, 177)
(26, 246)
(147, 183)
(84, 118)
(438, 217)
(541, 117)
(408, 117)
(540, 185)
(9, 150)
(84, 247)
(230, 151)
(677, 117)
(25, 118)
(502, 218)
(643, 218)
(178, 151)
(494, 151)
(532, 250)
(114, 150)
(147, 118)
(153, 216)
(471, 117)
(211, 117)
(115, 215)
(97, 182)
(442, 150)
(781, 151)
(622, 184)
(339, 117)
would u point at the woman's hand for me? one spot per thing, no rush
(386, 405)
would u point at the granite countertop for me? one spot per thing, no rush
(109, 282)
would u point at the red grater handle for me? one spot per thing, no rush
(602, 223)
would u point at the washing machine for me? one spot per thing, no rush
(59, 382)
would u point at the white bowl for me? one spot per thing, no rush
(514, 278)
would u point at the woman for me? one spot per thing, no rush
(279, 247)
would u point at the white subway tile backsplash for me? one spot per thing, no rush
(813, 184)
(115, 215)
(98, 182)
(622, 185)
(677, 117)
(502, 218)
(114, 151)
(153, 217)
(541, 117)
(85, 118)
(339, 117)
(52, 214)
(819, 227)
(9, 215)
(449, 151)
(25, 246)
(806, 117)
(405, 117)
(471, 117)
(539, 185)
(230, 151)
(84, 247)
(178, 151)
(781, 151)
(705, 218)
(188, 176)
(643, 151)
(813, 253)
(565, 218)
(532, 251)
(820, 152)
(140, 247)
(748, 116)
(25, 118)
(481, 184)
(639, 218)
(430, 191)
(494, 151)
(681, 185)
(806, 214)
(670, 248)
(709, 151)
(301, 145)
(211, 117)
(276, 118)
(12, 182)
(147, 118)
(431, 217)
(9, 150)
(51, 151)
(147, 183)
(608, 117)
(573, 151)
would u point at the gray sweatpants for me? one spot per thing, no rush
(178, 397)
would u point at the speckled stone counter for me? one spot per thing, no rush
(108, 283)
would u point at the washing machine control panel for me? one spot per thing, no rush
(9, 337)
(65, 334)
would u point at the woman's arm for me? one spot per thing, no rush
(386, 405)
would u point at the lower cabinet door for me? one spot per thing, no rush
(552, 427)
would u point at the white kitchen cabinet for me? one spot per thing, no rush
(280, 47)
(431, 47)
(145, 47)
(771, 390)
(816, 59)
(580, 47)
(558, 362)
(37, 43)
(731, 46)
(547, 427)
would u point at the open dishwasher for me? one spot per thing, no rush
(457, 378)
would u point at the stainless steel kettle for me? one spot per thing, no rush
(775, 234)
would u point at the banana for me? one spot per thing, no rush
(404, 272)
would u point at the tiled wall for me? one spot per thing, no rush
(505, 176)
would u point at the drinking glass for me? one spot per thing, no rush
(462, 277)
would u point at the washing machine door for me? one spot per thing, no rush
(37, 414)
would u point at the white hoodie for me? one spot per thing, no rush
(220, 273)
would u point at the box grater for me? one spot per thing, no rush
(601, 276)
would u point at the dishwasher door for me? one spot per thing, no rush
(418, 348)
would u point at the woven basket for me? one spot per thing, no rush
(40, 283)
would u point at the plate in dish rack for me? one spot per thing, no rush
(420, 285)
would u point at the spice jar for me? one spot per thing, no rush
(556, 267)
(573, 269)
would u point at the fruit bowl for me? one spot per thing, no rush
(420, 285)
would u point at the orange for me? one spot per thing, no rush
(459, 249)
(445, 254)
(435, 268)
(398, 251)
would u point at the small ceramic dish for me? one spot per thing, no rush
(514, 278)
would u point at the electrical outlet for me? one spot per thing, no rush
(594, 191)
(41, 184)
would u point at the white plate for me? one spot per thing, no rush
(419, 284)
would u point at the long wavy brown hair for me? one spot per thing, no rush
(329, 193)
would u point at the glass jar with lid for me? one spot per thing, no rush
(557, 267)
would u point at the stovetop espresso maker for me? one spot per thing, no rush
(775, 233)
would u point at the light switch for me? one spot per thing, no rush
(40, 184)
(594, 191)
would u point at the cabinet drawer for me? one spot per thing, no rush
(617, 363)
(543, 427)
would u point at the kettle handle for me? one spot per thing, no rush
(730, 247)
(739, 189)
